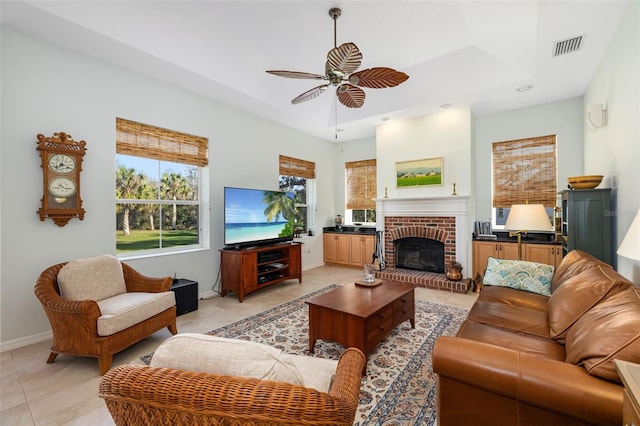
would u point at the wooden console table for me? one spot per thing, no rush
(247, 270)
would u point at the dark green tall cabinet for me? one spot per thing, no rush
(587, 222)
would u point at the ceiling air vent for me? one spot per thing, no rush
(569, 45)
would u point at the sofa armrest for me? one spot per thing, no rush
(136, 281)
(551, 385)
(169, 396)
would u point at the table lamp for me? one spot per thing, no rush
(526, 217)
(630, 246)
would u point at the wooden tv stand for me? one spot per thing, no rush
(247, 270)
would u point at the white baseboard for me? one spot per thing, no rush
(307, 267)
(25, 341)
(209, 294)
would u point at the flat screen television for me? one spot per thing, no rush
(255, 217)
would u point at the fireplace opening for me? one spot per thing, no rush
(421, 254)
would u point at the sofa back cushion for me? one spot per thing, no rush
(93, 278)
(580, 293)
(226, 357)
(572, 264)
(520, 275)
(610, 330)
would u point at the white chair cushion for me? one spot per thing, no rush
(226, 357)
(317, 373)
(124, 310)
(93, 278)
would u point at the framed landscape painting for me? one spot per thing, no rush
(425, 172)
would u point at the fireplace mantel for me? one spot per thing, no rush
(423, 206)
(456, 206)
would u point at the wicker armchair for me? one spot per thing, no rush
(74, 323)
(142, 395)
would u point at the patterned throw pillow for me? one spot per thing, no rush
(520, 275)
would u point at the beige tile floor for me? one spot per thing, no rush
(65, 392)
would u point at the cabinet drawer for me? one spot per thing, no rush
(403, 308)
(379, 324)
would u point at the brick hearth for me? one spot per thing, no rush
(425, 279)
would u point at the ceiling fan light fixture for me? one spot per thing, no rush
(340, 70)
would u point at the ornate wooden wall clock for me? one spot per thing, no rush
(61, 165)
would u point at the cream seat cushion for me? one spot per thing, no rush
(241, 358)
(124, 310)
(93, 278)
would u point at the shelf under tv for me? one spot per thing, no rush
(246, 270)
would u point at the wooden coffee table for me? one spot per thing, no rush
(360, 317)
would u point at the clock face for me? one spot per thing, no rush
(62, 163)
(62, 187)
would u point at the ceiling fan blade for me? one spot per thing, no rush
(350, 95)
(309, 94)
(346, 58)
(297, 74)
(378, 78)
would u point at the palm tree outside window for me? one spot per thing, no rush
(158, 192)
(298, 176)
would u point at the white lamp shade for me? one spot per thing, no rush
(528, 217)
(630, 246)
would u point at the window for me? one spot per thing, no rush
(361, 190)
(298, 176)
(159, 179)
(524, 171)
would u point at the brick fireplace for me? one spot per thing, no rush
(442, 219)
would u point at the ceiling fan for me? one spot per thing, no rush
(342, 62)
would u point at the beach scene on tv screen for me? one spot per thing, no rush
(254, 215)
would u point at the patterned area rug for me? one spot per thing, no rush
(399, 387)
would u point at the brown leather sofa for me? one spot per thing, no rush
(522, 358)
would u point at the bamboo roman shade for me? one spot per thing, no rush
(143, 140)
(361, 184)
(524, 171)
(290, 166)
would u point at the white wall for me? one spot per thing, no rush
(445, 134)
(563, 119)
(46, 89)
(614, 150)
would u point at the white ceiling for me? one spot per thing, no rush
(463, 53)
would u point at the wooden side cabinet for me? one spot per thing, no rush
(551, 254)
(630, 375)
(337, 248)
(348, 249)
(362, 248)
(244, 271)
(482, 250)
(543, 253)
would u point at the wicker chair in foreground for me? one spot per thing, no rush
(148, 395)
(98, 307)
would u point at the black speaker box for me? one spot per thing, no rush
(186, 292)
